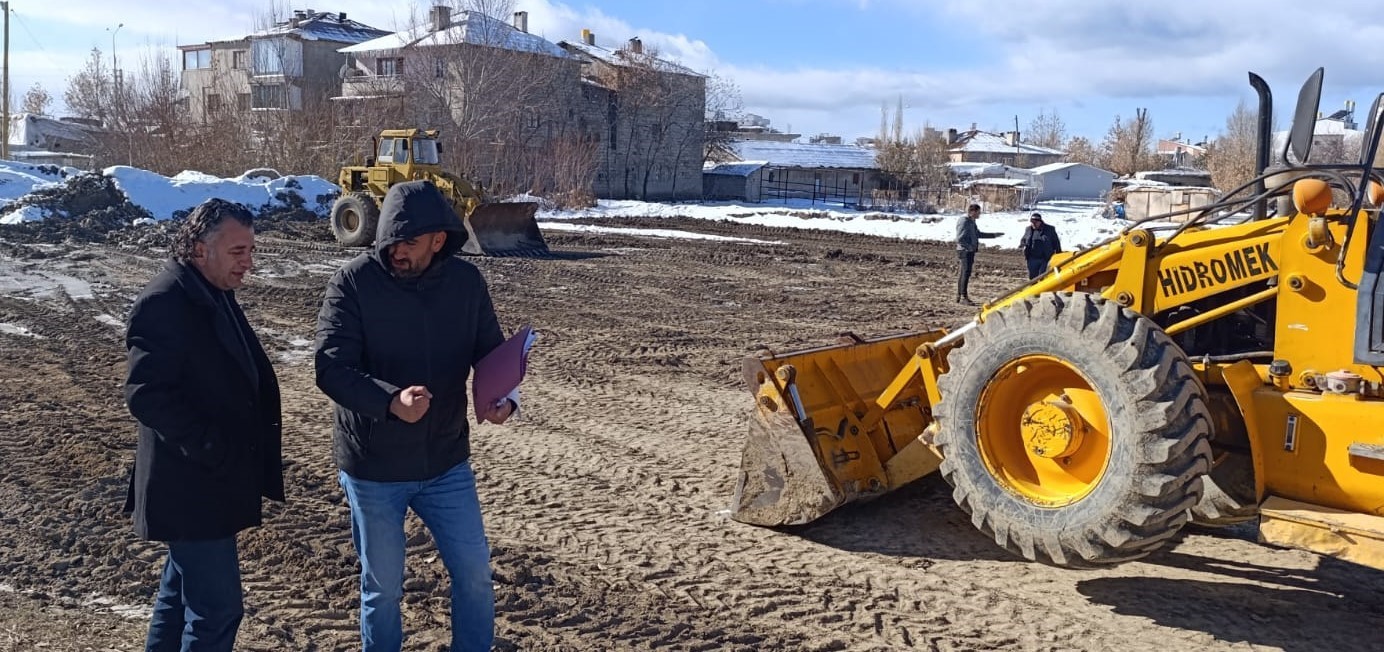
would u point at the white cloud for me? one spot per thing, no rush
(1034, 54)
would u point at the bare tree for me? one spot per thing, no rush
(36, 100)
(723, 103)
(1047, 130)
(1231, 156)
(1129, 144)
(89, 91)
(933, 177)
(893, 154)
(1080, 150)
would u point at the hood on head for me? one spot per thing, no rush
(411, 209)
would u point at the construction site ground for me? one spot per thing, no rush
(606, 502)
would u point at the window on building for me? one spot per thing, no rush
(239, 59)
(531, 119)
(440, 68)
(269, 96)
(213, 104)
(269, 55)
(388, 67)
(242, 101)
(197, 59)
(855, 179)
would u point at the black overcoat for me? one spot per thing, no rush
(207, 403)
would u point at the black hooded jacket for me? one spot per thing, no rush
(377, 334)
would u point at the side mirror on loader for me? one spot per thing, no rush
(1305, 119)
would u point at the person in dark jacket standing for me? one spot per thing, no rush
(399, 332)
(1039, 243)
(207, 403)
(968, 237)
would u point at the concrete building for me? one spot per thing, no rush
(288, 66)
(1071, 181)
(975, 146)
(739, 181)
(774, 171)
(1144, 201)
(642, 117)
(655, 121)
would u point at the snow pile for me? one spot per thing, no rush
(166, 198)
(19, 179)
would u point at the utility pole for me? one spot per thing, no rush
(5, 131)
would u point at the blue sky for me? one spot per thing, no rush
(815, 66)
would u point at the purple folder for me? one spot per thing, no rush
(498, 373)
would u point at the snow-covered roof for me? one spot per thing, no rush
(324, 26)
(40, 131)
(1055, 167)
(805, 155)
(996, 182)
(740, 169)
(626, 57)
(981, 141)
(975, 169)
(469, 27)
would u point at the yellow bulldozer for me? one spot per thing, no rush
(493, 228)
(1220, 370)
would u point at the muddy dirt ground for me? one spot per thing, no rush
(605, 503)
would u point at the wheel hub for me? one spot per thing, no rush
(1052, 428)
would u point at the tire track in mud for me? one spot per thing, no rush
(603, 504)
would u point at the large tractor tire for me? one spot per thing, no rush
(1073, 431)
(354, 217)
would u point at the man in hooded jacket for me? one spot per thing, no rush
(398, 333)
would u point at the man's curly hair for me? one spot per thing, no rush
(203, 221)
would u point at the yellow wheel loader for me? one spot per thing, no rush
(1221, 370)
(411, 154)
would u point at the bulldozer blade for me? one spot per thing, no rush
(781, 482)
(834, 425)
(504, 228)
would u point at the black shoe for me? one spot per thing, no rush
(966, 301)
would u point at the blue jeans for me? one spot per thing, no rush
(1037, 267)
(198, 606)
(450, 509)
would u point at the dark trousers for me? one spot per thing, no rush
(968, 259)
(1037, 267)
(198, 606)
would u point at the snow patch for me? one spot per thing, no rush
(129, 611)
(1079, 224)
(24, 214)
(652, 233)
(15, 329)
(165, 196)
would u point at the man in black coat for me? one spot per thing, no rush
(399, 332)
(968, 237)
(1039, 243)
(207, 403)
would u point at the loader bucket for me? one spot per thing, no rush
(834, 425)
(504, 228)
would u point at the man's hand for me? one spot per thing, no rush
(411, 404)
(497, 413)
